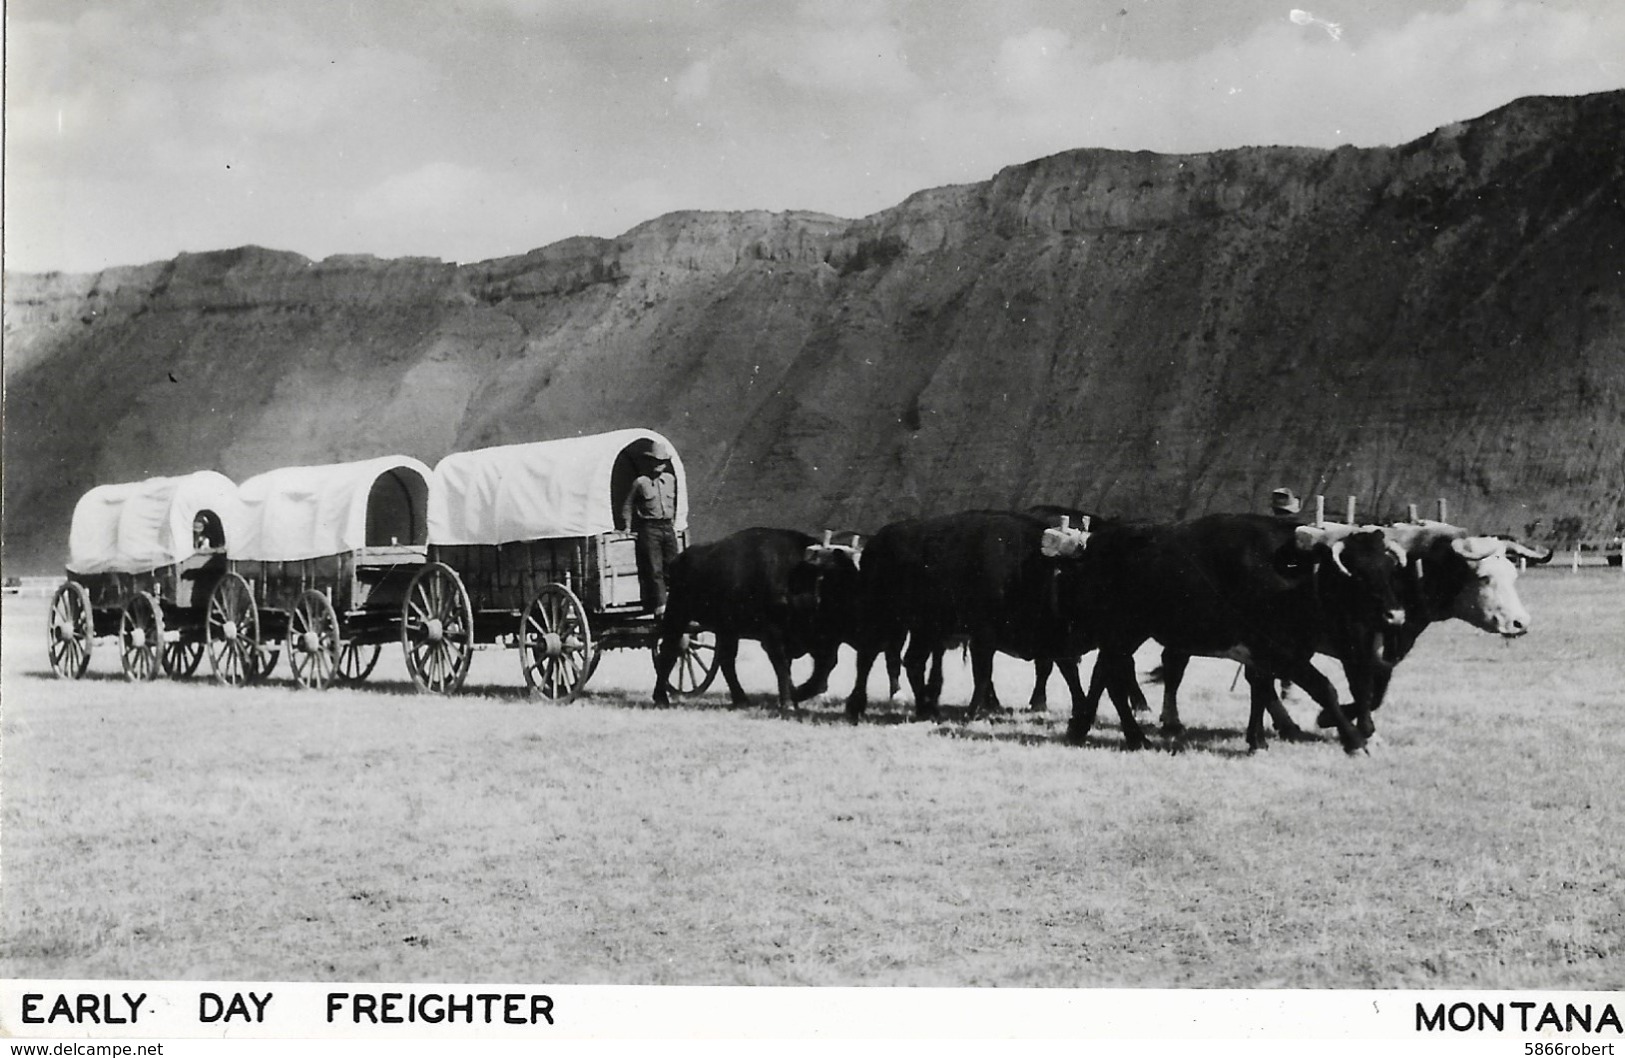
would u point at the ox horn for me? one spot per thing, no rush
(1478, 548)
(1307, 537)
(1534, 554)
(1337, 556)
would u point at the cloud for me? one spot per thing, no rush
(1276, 85)
(454, 211)
(1303, 18)
(694, 83)
(858, 61)
(493, 126)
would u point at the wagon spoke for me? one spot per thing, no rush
(437, 666)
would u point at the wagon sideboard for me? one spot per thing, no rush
(503, 578)
(370, 581)
(181, 586)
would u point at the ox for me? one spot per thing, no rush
(1453, 574)
(1247, 587)
(1448, 574)
(1055, 517)
(1004, 580)
(780, 587)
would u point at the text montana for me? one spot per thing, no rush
(1526, 1016)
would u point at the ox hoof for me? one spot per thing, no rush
(1356, 748)
(660, 699)
(1076, 734)
(1038, 707)
(1135, 743)
(1173, 729)
(1325, 718)
(1294, 733)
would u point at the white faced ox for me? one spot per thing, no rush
(1466, 577)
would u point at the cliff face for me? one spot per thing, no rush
(1136, 333)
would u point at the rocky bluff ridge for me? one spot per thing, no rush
(1145, 334)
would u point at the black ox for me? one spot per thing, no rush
(1005, 581)
(1248, 587)
(780, 587)
(1448, 573)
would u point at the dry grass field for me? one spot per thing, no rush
(183, 830)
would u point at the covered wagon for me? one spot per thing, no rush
(535, 535)
(330, 563)
(143, 559)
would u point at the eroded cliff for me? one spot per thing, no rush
(1137, 333)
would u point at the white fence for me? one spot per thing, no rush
(33, 587)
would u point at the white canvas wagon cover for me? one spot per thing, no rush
(145, 525)
(296, 513)
(541, 490)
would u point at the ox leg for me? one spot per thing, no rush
(1303, 673)
(1074, 684)
(727, 658)
(1380, 679)
(1039, 702)
(1261, 688)
(894, 668)
(1285, 726)
(981, 667)
(1173, 673)
(915, 661)
(779, 656)
(858, 701)
(1360, 669)
(1125, 692)
(823, 664)
(672, 626)
(1084, 710)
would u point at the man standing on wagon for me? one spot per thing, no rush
(649, 510)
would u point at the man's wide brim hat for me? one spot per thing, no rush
(660, 451)
(1284, 500)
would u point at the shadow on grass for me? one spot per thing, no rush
(1017, 726)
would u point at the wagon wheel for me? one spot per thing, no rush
(356, 661)
(232, 630)
(72, 632)
(141, 637)
(437, 629)
(182, 657)
(696, 663)
(555, 644)
(313, 640)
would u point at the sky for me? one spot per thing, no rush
(467, 130)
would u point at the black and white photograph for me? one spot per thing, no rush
(1101, 501)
